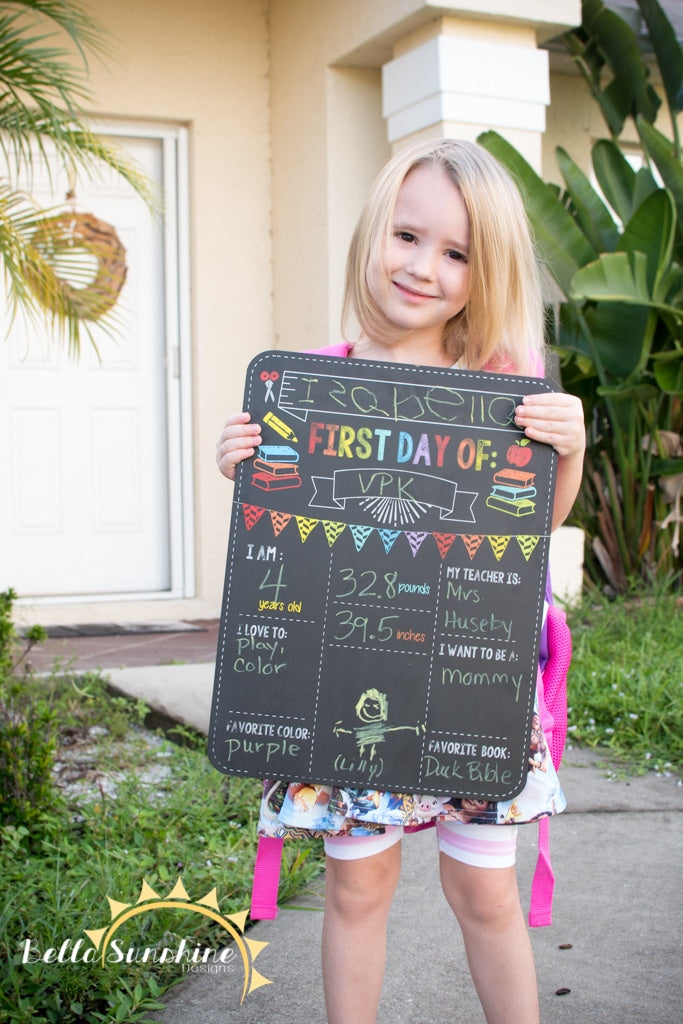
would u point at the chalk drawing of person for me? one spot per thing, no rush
(372, 708)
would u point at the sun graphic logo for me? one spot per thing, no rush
(108, 949)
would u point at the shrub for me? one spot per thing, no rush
(27, 733)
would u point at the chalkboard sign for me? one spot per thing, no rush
(385, 580)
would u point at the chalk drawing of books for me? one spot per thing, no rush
(277, 453)
(512, 492)
(275, 468)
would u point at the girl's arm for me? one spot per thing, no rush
(238, 441)
(557, 418)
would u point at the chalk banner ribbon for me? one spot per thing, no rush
(384, 586)
(424, 489)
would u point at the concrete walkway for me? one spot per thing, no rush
(612, 956)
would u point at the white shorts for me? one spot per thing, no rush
(482, 846)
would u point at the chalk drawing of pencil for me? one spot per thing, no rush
(279, 426)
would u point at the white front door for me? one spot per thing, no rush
(89, 503)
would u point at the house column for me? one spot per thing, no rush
(459, 77)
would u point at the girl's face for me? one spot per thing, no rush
(423, 279)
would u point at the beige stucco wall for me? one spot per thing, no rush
(328, 142)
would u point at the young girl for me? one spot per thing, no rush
(441, 272)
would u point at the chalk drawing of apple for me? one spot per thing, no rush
(519, 453)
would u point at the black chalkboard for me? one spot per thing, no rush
(385, 580)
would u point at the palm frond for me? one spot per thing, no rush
(31, 137)
(35, 280)
(84, 31)
(45, 46)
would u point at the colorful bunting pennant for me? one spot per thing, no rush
(279, 520)
(306, 526)
(252, 514)
(388, 538)
(360, 534)
(527, 544)
(472, 542)
(444, 542)
(415, 539)
(332, 530)
(498, 546)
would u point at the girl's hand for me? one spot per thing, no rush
(554, 418)
(238, 441)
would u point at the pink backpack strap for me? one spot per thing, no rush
(266, 878)
(543, 883)
(552, 700)
(555, 679)
(341, 349)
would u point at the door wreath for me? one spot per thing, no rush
(66, 232)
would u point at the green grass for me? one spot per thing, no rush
(172, 814)
(625, 686)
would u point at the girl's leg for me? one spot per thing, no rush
(479, 880)
(487, 906)
(358, 895)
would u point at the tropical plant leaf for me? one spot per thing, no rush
(662, 151)
(619, 43)
(86, 33)
(605, 39)
(623, 187)
(621, 338)
(592, 215)
(669, 376)
(561, 244)
(573, 339)
(668, 53)
(633, 390)
(614, 105)
(667, 467)
(651, 230)
(618, 277)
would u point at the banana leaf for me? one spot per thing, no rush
(652, 230)
(669, 376)
(618, 277)
(661, 150)
(592, 215)
(606, 39)
(619, 44)
(668, 53)
(632, 390)
(620, 338)
(623, 187)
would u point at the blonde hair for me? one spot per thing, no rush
(501, 326)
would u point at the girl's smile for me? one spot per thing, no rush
(410, 294)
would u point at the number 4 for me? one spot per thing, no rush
(277, 586)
